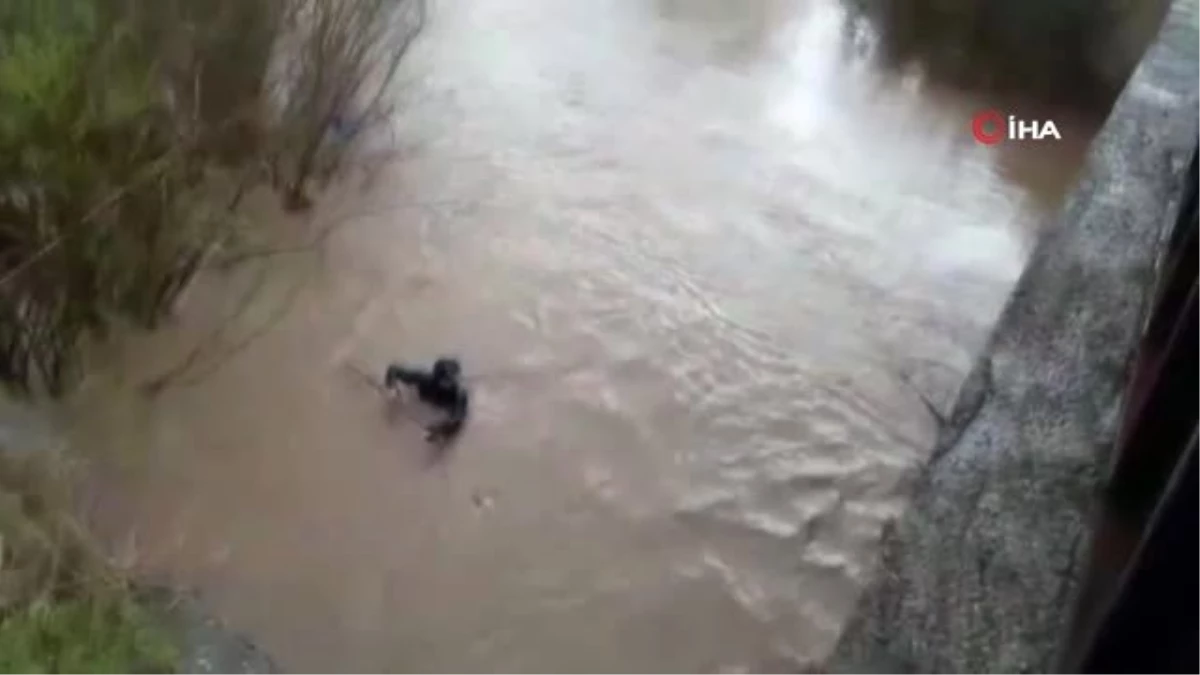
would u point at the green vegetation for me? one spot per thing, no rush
(83, 636)
(100, 212)
(129, 132)
(62, 607)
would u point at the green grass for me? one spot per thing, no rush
(129, 132)
(63, 607)
(84, 635)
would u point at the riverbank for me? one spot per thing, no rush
(981, 572)
(130, 135)
(65, 605)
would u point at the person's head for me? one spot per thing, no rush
(446, 368)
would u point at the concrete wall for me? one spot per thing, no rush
(981, 572)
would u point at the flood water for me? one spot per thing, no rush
(698, 257)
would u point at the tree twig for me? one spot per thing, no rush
(247, 340)
(158, 383)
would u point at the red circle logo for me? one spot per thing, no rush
(980, 124)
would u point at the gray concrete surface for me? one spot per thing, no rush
(980, 574)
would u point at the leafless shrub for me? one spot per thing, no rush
(129, 131)
(334, 64)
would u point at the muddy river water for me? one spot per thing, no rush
(699, 259)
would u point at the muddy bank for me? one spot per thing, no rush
(981, 573)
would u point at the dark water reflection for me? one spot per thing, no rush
(1066, 51)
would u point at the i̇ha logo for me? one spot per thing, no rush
(990, 127)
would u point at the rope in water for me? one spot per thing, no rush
(368, 379)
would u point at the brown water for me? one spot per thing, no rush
(692, 252)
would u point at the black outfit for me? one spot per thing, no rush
(441, 388)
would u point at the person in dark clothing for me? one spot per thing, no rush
(442, 388)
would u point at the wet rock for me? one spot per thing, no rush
(980, 574)
(206, 644)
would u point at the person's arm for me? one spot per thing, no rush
(397, 374)
(457, 417)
